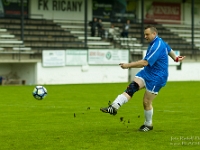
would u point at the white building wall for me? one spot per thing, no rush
(189, 72)
(37, 74)
(76, 74)
(107, 74)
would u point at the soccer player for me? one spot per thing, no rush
(152, 77)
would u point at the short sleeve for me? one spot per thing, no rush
(168, 48)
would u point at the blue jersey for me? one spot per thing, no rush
(157, 57)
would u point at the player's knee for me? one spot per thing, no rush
(147, 105)
(132, 88)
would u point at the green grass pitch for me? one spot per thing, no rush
(69, 118)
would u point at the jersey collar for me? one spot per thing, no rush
(154, 40)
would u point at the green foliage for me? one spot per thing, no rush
(69, 118)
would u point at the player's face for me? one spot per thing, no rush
(149, 35)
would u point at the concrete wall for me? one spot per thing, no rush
(80, 74)
(108, 74)
(190, 72)
(37, 74)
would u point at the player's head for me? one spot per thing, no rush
(150, 32)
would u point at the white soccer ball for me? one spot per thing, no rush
(39, 92)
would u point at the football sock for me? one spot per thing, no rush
(119, 101)
(148, 117)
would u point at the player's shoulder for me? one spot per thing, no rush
(165, 44)
(160, 39)
(158, 42)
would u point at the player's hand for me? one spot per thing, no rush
(123, 65)
(179, 58)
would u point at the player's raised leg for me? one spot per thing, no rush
(124, 97)
(117, 103)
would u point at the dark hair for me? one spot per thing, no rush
(152, 28)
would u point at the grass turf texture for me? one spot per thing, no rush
(69, 118)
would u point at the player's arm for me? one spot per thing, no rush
(174, 57)
(172, 54)
(137, 64)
